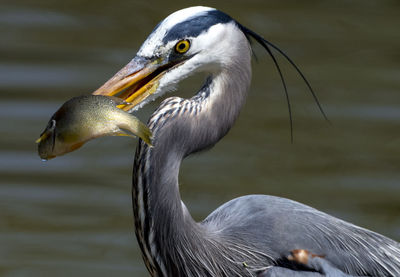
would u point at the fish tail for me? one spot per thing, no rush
(136, 127)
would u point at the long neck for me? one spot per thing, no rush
(168, 236)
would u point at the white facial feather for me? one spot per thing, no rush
(154, 41)
(213, 51)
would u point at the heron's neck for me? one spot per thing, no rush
(180, 127)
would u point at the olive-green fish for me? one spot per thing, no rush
(84, 118)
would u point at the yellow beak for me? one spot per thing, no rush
(136, 81)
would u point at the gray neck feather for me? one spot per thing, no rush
(173, 244)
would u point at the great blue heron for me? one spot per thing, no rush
(250, 235)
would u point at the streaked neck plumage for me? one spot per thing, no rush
(169, 238)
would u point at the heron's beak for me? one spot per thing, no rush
(136, 81)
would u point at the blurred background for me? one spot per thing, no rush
(72, 216)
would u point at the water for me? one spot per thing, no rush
(72, 216)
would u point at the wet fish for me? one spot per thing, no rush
(83, 118)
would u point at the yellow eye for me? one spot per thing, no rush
(182, 46)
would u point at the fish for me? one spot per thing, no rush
(84, 118)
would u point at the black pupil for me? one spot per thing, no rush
(181, 46)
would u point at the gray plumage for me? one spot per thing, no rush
(248, 236)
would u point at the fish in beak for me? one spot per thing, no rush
(83, 118)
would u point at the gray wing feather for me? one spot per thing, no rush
(275, 226)
(285, 272)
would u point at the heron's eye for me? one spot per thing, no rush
(182, 46)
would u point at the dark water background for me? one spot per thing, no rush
(72, 216)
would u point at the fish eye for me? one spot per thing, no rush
(49, 131)
(52, 125)
(182, 46)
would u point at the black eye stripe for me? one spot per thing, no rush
(194, 26)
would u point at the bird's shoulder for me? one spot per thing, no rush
(252, 208)
(277, 225)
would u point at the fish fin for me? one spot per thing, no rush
(76, 146)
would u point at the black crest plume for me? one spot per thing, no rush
(266, 44)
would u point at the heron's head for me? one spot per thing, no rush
(188, 41)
